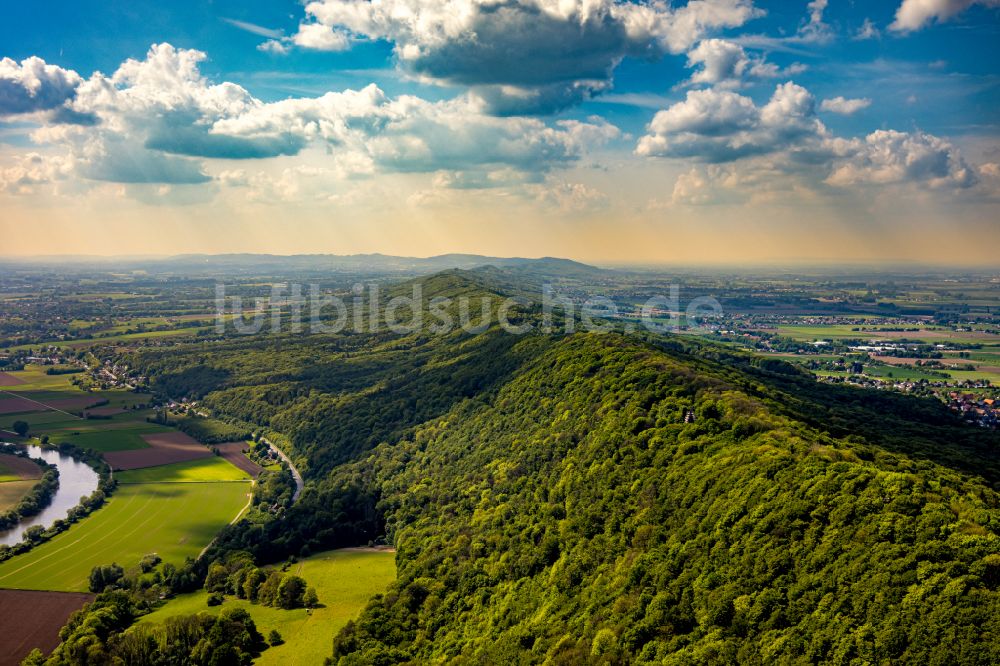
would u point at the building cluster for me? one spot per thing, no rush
(980, 409)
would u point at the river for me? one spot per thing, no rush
(76, 480)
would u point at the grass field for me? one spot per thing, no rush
(174, 520)
(35, 379)
(203, 470)
(105, 438)
(344, 580)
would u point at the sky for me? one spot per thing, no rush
(709, 131)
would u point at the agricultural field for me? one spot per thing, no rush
(33, 619)
(344, 580)
(163, 448)
(235, 453)
(17, 477)
(16, 468)
(173, 520)
(204, 470)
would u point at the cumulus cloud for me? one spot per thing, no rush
(156, 114)
(410, 134)
(844, 106)
(725, 63)
(33, 85)
(320, 38)
(720, 125)
(915, 14)
(887, 156)
(525, 56)
(815, 30)
(31, 170)
(274, 47)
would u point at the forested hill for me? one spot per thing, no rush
(550, 503)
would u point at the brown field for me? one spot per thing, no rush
(164, 448)
(7, 379)
(12, 492)
(31, 620)
(233, 452)
(22, 467)
(15, 404)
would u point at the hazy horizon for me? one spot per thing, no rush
(722, 131)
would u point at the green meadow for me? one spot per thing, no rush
(203, 470)
(344, 580)
(174, 520)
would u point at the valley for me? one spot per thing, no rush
(631, 494)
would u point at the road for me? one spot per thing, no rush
(299, 483)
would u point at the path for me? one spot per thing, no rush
(233, 521)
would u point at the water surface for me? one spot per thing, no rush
(76, 480)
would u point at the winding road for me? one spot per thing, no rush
(299, 483)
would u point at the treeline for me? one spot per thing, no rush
(38, 497)
(239, 576)
(38, 534)
(211, 431)
(97, 635)
(106, 630)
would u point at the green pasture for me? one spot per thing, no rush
(203, 470)
(173, 520)
(344, 580)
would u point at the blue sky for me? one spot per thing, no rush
(588, 128)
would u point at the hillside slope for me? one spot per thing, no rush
(577, 518)
(550, 503)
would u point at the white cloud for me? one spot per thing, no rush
(31, 170)
(526, 55)
(915, 14)
(571, 197)
(867, 31)
(721, 62)
(887, 156)
(844, 106)
(785, 136)
(320, 38)
(155, 114)
(33, 85)
(274, 46)
(815, 30)
(720, 126)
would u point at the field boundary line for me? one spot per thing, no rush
(38, 402)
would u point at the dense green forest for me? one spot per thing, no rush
(614, 498)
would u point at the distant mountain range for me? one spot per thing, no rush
(354, 263)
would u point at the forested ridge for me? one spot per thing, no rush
(550, 503)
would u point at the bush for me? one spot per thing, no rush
(274, 638)
(103, 577)
(215, 599)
